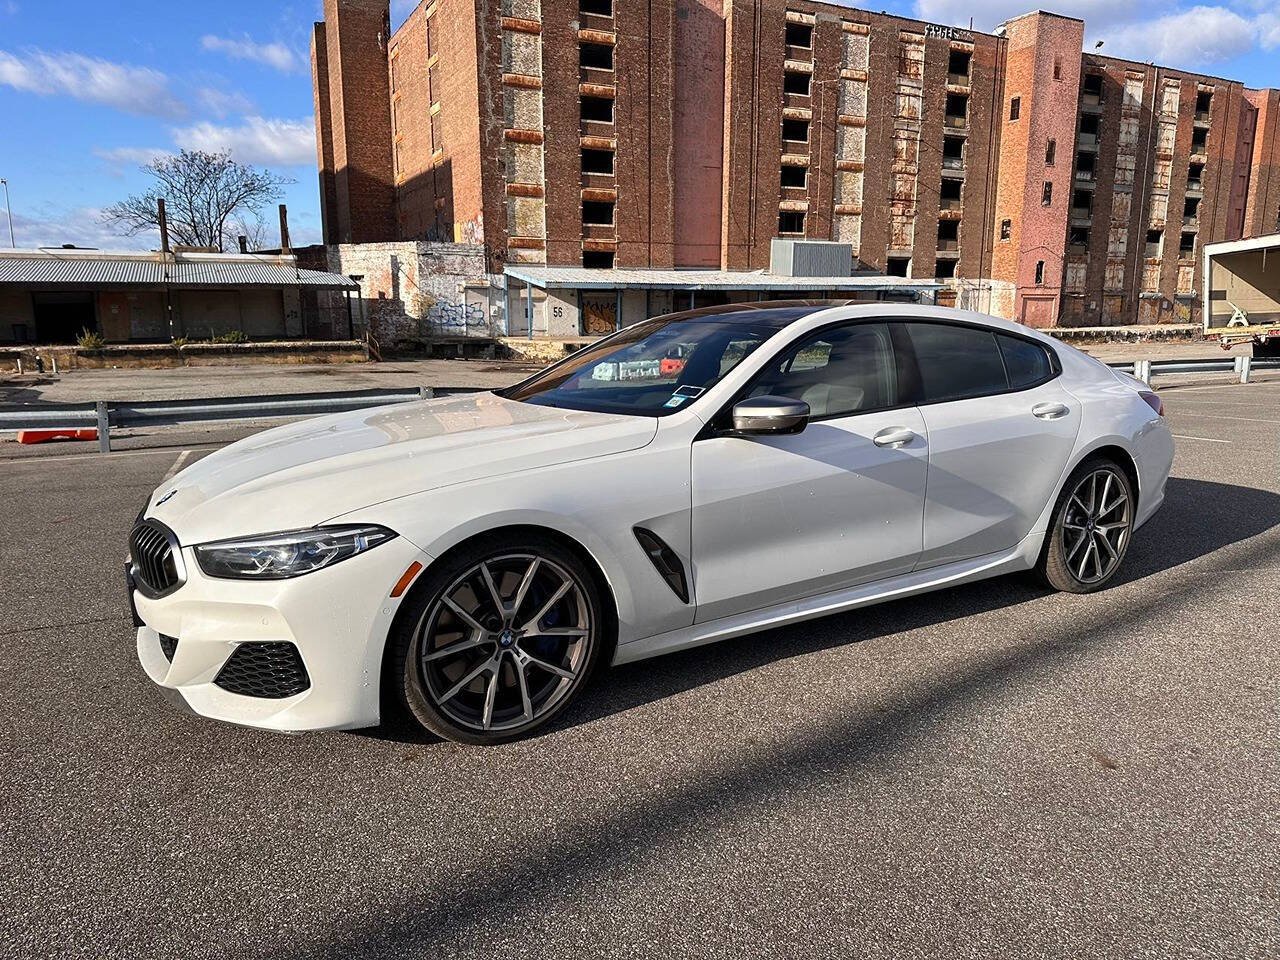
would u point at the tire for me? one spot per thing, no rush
(1267, 351)
(1091, 528)
(496, 640)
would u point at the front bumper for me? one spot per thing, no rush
(337, 618)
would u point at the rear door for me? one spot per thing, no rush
(1001, 429)
(779, 518)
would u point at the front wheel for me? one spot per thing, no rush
(1090, 530)
(497, 640)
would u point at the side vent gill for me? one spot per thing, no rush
(665, 560)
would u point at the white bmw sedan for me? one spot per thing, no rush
(468, 561)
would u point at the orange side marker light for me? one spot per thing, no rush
(406, 578)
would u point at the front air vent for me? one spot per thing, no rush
(168, 646)
(665, 560)
(272, 671)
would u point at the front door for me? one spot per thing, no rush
(781, 518)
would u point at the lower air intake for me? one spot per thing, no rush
(168, 646)
(271, 671)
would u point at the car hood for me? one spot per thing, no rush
(309, 472)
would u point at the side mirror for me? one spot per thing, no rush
(770, 415)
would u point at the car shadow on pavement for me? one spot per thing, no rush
(1200, 518)
(1197, 518)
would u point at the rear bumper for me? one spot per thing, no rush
(337, 619)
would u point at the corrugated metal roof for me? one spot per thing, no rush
(72, 269)
(581, 278)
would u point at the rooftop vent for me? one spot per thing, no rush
(810, 258)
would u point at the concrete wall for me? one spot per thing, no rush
(16, 311)
(413, 291)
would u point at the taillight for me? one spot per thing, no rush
(1153, 401)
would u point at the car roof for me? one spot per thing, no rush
(779, 314)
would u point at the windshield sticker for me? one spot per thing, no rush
(690, 391)
(675, 401)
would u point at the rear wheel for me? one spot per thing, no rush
(498, 640)
(1091, 527)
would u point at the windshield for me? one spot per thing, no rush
(652, 368)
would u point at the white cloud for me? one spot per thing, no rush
(139, 90)
(1268, 25)
(81, 226)
(118, 159)
(275, 55)
(986, 14)
(221, 102)
(260, 140)
(1189, 38)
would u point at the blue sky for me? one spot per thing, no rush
(88, 94)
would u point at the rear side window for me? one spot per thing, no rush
(956, 362)
(1027, 363)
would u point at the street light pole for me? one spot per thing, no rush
(8, 212)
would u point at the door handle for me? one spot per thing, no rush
(1050, 411)
(893, 437)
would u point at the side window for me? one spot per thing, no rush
(839, 371)
(1027, 363)
(956, 362)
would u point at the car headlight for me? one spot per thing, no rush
(278, 556)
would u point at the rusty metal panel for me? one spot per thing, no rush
(1186, 277)
(1169, 99)
(1161, 173)
(1076, 270)
(1133, 90)
(1124, 170)
(1118, 240)
(1113, 277)
(1166, 136)
(1151, 275)
(1128, 134)
(1158, 211)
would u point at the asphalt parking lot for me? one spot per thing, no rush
(990, 770)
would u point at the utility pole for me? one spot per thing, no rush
(8, 212)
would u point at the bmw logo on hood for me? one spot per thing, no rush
(168, 496)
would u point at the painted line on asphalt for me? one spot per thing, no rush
(1219, 416)
(95, 457)
(1183, 436)
(177, 465)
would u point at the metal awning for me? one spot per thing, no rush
(40, 268)
(582, 278)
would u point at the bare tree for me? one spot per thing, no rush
(208, 197)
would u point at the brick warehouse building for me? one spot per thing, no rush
(687, 134)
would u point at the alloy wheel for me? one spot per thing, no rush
(505, 643)
(1096, 526)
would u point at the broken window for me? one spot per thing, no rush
(1089, 124)
(1199, 136)
(1078, 236)
(1191, 209)
(897, 266)
(793, 129)
(597, 212)
(601, 8)
(1057, 68)
(596, 56)
(1015, 108)
(949, 193)
(958, 62)
(1155, 239)
(953, 152)
(597, 259)
(793, 176)
(948, 232)
(1092, 86)
(1006, 229)
(1187, 244)
(791, 221)
(597, 161)
(957, 109)
(1050, 149)
(1085, 162)
(1081, 203)
(1195, 175)
(944, 268)
(793, 81)
(799, 35)
(1039, 272)
(598, 109)
(1046, 195)
(1204, 101)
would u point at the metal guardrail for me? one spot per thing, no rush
(155, 413)
(1144, 370)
